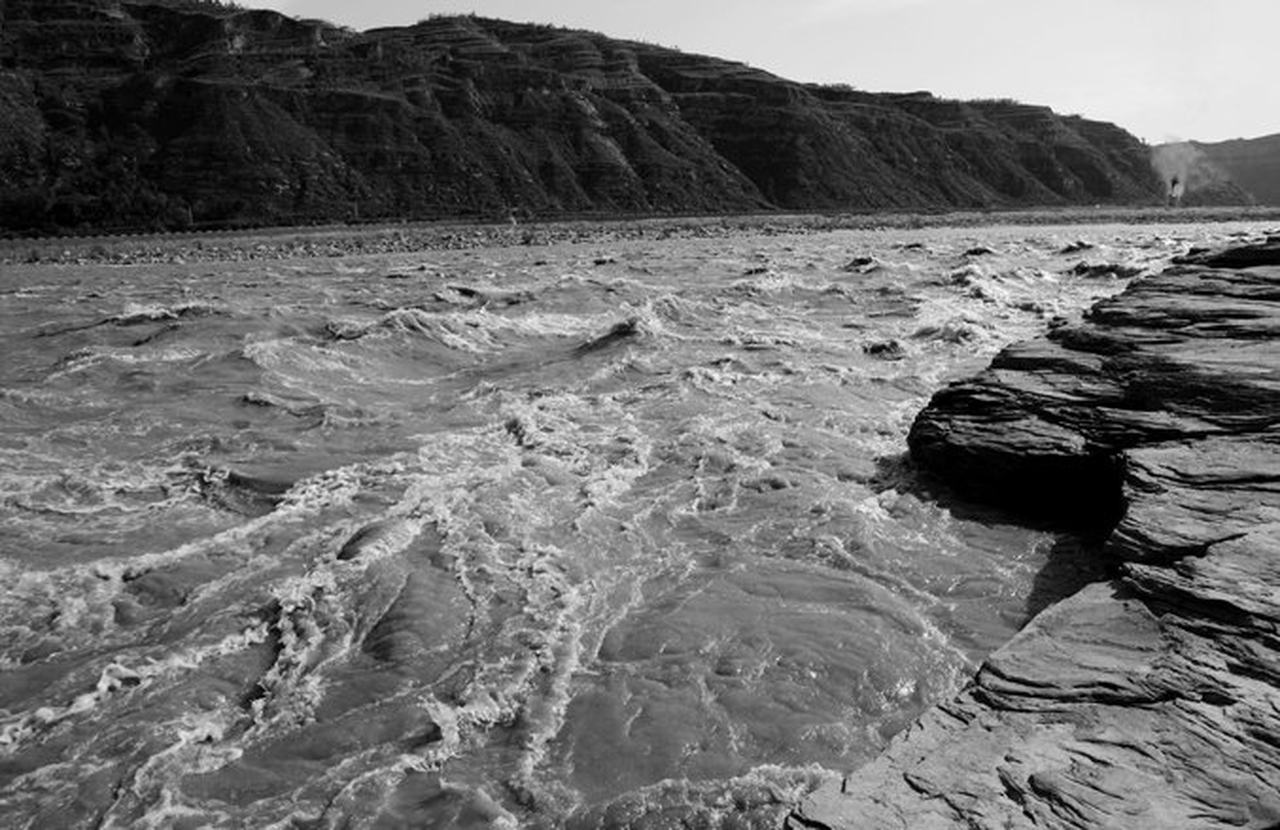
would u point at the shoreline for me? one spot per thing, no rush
(1152, 698)
(332, 241)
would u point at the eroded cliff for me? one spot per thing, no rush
(136, 114)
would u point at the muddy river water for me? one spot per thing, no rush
(590, 534)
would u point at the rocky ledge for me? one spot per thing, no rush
(1152, 699)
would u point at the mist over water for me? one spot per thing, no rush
(551, 536)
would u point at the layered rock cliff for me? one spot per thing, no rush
(1151, 700)
(161, 113)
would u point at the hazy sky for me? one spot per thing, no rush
(1163, 69)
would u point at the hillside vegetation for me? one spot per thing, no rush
(148, 115)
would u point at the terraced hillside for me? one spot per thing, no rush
(134, 114)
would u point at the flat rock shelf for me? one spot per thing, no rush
(1151, 699)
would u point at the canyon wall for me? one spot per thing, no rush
(162, 115)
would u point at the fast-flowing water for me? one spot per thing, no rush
(585, 534)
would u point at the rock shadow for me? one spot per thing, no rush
(1076, 559)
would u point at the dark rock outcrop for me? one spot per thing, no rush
(177, 113)
(1153, 699)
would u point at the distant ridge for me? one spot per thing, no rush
(1240, 171)
(127, 114)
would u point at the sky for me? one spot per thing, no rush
(1166, 70)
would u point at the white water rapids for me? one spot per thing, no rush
(585, 535)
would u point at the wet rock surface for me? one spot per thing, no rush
(1151, 699)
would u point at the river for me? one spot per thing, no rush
(590, 534)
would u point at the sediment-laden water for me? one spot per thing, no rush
(578, 535)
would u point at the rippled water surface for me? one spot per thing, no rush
(580, 535)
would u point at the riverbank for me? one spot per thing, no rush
(342, 240)
(1151, 699)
